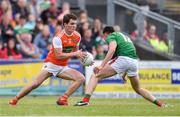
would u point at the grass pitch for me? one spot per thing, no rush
(40, 106)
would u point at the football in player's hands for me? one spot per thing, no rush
(88, 60)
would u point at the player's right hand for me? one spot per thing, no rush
(97, 69)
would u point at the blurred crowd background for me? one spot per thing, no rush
(27, 28)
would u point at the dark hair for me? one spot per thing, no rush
(15, 48)
(108, 29)
(99, 18)
(22, 17)
(2, 43)
(67, 18)
(82, 11)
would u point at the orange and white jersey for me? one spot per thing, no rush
(66, 42)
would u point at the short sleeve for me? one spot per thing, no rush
(57, 43)
(79, 41)
(111, 37)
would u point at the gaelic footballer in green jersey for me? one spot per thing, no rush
(125, 47)
(121, 59)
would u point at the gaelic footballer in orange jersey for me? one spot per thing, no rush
(68, 43)
(65, 45)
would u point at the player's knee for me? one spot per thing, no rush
(81, 79)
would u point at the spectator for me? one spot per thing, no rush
(52, 24)
(45, 51)
(83, 16)
(0, 34)
(84, 26)
(21, 25)
(159, 45)
(16, 20)
(83, 22)
(31, 23)
(165, 38)
(65, 10)
(6, 28)
(163, 47)
(5, 9)
(43, 38)
(39, 27)
(11, 51)
(97, 27)
(44, 5)
(21, 8)
(52, 11)
(28, 49)
(87, 44)
(99, 41)
(34, 8)
(117, 28)
(151, 33)
(2, 50)
(135, 34)
(58, 27)
(100, 55)
(154, 40)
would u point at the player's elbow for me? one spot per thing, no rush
(82, 80)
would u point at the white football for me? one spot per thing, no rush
(88, 60)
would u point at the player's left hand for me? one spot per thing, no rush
(80, 54)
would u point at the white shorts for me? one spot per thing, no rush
(55, 69)
(124, 64)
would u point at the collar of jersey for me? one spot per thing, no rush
(67, 34)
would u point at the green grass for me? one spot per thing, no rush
(100, 107)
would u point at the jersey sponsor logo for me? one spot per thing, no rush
(70, 41)
(67, 49)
